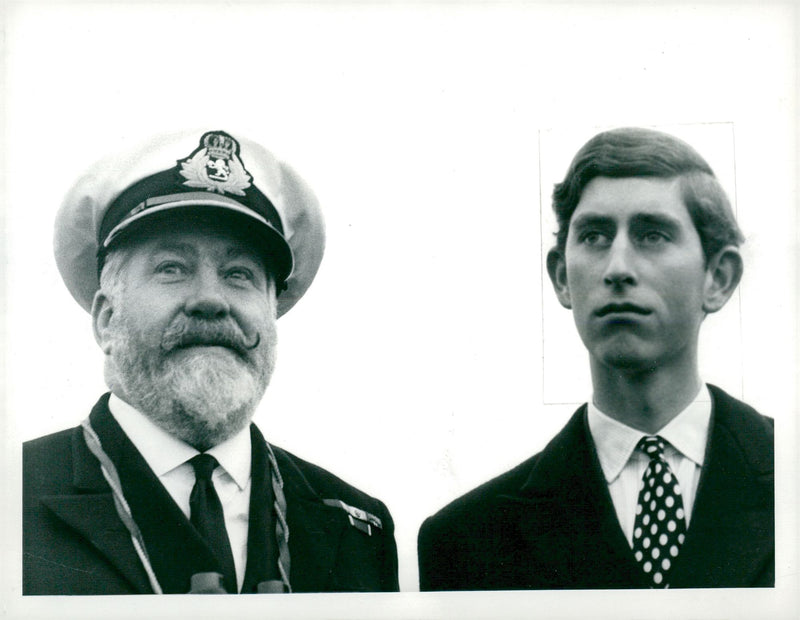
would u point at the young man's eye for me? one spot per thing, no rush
(654, 237)
(593, 238)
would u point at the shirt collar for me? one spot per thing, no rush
(686, 432)
(163, 452)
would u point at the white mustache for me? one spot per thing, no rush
(187, 332)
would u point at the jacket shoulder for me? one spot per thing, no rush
(52, 463)
(475, 506)
(457, 546)
(43, 445)
(727, 403)
(471, 543)
(471, 506)
(751, 432)
(365, 562)
(47, 463)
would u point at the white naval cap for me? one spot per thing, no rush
(184, 175)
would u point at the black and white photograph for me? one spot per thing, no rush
(400, 309)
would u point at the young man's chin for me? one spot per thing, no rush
(626, 358)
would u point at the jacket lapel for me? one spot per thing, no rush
(566, 519)
(94, 517)
(730, 540)
(90, 511)
(315, 529)
(175, 549)
(262, 552)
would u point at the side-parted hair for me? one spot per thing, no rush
(636, 152)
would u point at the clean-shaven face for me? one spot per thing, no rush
(635, 273)
(193, 332)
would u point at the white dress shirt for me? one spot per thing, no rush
(168, 456)
(623, 465)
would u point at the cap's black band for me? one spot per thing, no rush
(170, 182)
(152, 198)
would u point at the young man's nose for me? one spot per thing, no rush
(620, 265)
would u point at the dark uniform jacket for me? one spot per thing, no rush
(74, 541)
(550, 522)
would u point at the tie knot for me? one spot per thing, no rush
(652, 446)
(204, 465)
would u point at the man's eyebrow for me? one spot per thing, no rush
(659, 220)
(662, 220)
(592, 219)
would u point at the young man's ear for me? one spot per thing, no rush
(102, 310)
(557, 269)
(723, 273)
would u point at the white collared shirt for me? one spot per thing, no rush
(167, 456)
(623, 465)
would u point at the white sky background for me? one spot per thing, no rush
(413, 368)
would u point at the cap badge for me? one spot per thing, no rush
(215, 165)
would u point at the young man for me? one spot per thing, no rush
(167, 487)
(661, 480)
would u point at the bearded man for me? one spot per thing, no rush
(167, 486)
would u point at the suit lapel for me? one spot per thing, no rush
(566, 518)
(95, 518)
(730, 540)
(315, 530)
(90, 511)
(175, 548)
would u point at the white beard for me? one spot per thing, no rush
(201, 395)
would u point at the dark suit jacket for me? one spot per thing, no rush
(75, 543)
(550, 522)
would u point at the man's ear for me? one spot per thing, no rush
(557, 269)
(102, 310)
(723, 273)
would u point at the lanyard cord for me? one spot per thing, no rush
(126, 516)
(123, 510)
(281, 526)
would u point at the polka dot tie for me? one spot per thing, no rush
(660, 524)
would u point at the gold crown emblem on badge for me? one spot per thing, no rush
(219, 146)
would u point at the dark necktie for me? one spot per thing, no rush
(660, 524)
(208, 519)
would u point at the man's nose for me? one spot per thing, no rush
(620, 265)
(207, 299)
